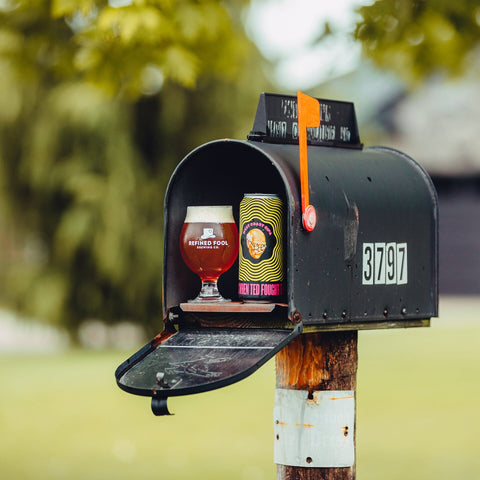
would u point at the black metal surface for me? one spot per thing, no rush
(199, 359)
(276, 121)
(369, 196)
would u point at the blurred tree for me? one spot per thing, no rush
(417, 38)
(98, 102)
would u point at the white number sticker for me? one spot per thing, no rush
(368, 264)
(385, 264)
(402, 275)
(379, 263)
(391, 263)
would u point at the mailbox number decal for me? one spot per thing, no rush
(385, 264)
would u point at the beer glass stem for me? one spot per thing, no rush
(209, 292)
(209, 289)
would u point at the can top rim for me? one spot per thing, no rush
(261, 195)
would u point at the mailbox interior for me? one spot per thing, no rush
(218, 173)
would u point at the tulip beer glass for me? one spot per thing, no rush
(209, 247)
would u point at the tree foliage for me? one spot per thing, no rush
(417, 38)
(98, 102)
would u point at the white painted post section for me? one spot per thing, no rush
(316, 431)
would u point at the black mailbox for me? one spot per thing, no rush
(369, 262)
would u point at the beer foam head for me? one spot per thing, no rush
(210, 214)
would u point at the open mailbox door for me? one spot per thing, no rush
(371, 261)
(195, 360)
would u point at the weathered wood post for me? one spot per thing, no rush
(316, 363)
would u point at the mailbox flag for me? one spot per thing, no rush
(308, 116)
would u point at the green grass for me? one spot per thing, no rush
(63, 417)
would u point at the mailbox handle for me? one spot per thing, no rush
(308, 116)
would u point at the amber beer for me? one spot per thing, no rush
(261, 257)
(209, 246)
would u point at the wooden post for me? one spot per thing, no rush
(318, 362)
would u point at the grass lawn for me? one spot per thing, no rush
(418, 394)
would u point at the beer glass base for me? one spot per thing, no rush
(200, 299)
(209, 293)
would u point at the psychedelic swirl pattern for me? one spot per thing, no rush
(261, 262)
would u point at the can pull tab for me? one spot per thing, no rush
(308, 116)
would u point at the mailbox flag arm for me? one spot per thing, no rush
(308, 116)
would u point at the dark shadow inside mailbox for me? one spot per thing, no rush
(370, 262)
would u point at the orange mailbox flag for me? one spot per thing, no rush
(308, 116)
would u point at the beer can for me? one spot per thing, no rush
(261, 257)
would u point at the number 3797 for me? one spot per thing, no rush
(385, 264)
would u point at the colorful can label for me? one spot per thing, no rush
(261, 258)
